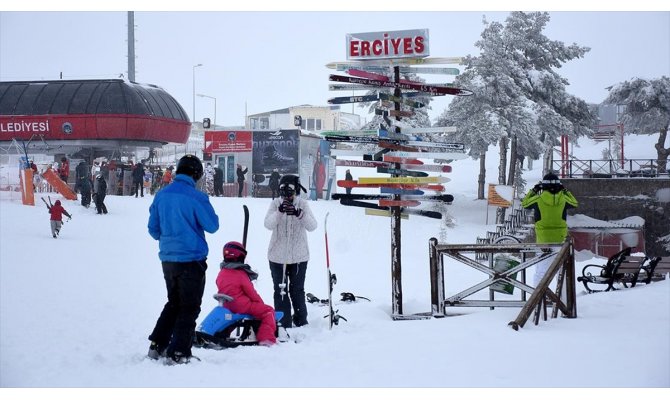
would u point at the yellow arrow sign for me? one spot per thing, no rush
(383, 213)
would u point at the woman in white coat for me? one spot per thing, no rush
(289, 218)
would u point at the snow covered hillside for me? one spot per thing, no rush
(76, 311)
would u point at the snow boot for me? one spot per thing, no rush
(156, 351)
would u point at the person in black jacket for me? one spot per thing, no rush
(218, 181)
(138, 179)
(348, 177)
(82, 173)
(274, 183)
(99, 193)
(240, 179)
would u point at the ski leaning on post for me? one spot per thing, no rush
(333, 317)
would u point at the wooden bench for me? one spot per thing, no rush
(629, 271)
(656, 270)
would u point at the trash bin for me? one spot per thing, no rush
(502, 263)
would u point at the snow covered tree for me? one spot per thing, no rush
(525, 99)
(647, 110)
(418, 120)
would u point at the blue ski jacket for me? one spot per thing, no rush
(178, 219)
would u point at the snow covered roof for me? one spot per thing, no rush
(584, 221)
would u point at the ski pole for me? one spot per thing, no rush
(282, 285)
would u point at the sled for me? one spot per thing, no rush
(58, 184)
(223, 329)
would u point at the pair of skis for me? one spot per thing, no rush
(49, 204)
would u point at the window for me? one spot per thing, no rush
(311, 124)
(259, 123)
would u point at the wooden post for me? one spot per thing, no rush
(436, 280)
(396, 268)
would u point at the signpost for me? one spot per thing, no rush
(371, 58)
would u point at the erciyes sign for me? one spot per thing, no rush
(411, 43)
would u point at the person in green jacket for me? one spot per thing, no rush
(550, 202)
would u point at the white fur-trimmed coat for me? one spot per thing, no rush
(288, 243)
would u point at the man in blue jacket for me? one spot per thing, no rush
(178, 219)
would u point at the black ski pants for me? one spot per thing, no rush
(295, 292)
(138, 188)
(185, 282)
(218, 187)
(100, 206)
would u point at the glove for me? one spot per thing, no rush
(286, 207)
(296, 211)
(537, 188)
(290, 209)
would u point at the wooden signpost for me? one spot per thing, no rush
(372, 66)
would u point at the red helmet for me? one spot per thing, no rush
(234, 251)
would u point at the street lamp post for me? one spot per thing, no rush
(213, 98)
(194, 67)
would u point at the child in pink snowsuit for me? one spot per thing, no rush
(234, 279)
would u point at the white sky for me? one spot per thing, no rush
(260, 61)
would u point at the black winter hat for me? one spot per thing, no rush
(289, 184)
(190, 165)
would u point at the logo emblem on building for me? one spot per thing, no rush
(67, 128)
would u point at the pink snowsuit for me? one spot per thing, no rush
(236, 283)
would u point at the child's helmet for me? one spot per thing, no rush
(190, 165)
(234, 251)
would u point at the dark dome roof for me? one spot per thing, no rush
(107, 96)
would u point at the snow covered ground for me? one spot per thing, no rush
(76, 312)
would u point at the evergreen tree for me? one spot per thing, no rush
(524, 99)
(647, 110)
